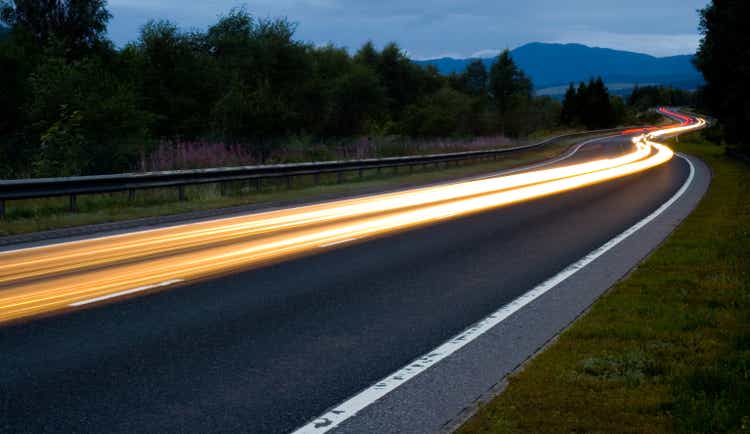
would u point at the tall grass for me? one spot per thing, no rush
(201, 154)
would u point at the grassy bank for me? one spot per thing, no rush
(41, 214)
(668, 349)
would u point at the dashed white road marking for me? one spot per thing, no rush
(126, 292)
(335, 243)
(338, 414)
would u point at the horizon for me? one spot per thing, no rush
(490, 54)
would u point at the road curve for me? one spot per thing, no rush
(268, 349)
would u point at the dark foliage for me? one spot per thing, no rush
(72, 104)
(74, 26)
(724, 60)
(647, 97)
(509, 88)
(591, 105)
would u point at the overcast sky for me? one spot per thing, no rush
(436, 28)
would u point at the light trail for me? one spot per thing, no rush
(51, 278)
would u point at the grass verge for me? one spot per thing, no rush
(27, 216)
(667, 349)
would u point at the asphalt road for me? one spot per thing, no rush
(266, 350)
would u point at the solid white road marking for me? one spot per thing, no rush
(357, 403)
(126, 292)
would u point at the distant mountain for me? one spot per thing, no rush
(553, 66)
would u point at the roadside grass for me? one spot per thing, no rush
(667, 349)
(25, 216)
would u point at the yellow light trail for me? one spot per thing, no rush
(57, 277)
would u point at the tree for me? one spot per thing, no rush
(443, 114)
(77, 26)
(599, 113)
(509, 87)
(368, 55)
(475, 77)
(724, 59)
(570, 107)
(230, 41)
(82, 119)
(177, 79)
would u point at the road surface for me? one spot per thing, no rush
(275, 343)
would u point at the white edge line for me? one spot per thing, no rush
(126, 292)
(338, 414)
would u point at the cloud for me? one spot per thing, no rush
(655, 44)
(431, 28)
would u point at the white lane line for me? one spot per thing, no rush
(357, 403)
(335, 243)
(126, 292)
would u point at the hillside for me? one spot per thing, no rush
(553, 66)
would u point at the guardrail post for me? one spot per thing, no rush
(222, 188)
(181, 192)
(339, 177)
(360, 174)
(131, 195)
(2, 208)
(288, 182)
(258, 184)
(316, 178)
(72, 204)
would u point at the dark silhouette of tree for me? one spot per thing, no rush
(509, 87)
(646, 97)
(724, 60)
(590, 105)
(368, 55)
(570, 110)
(76, 26)
(475, 78)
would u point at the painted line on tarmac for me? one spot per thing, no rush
(336, 243)
(126, 292)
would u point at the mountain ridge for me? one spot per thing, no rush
(577, 62)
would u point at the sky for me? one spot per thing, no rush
(439, 28)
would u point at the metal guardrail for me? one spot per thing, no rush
(130, 182)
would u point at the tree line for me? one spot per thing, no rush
(724, 59)
(71, 103)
